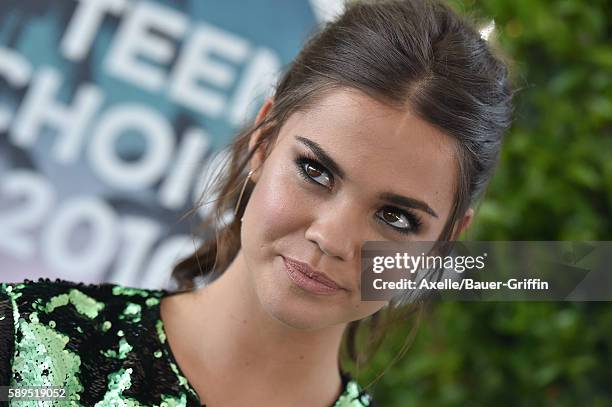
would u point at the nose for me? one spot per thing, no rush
(335, 230)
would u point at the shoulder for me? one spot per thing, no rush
(79, 306)
(31, 300)
(7, 332)
(58, 326)
(87, 299)
(354, 395)
(101, 342)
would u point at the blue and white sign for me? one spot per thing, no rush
(109, 113)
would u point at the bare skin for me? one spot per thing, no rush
(253, 337)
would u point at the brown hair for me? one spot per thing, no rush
(406, 53)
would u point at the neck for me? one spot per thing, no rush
(238, 339)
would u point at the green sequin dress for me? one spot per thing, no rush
(105, 344)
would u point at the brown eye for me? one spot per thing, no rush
(314, 173)
(390, 216)
(403, 222)
(397, 221)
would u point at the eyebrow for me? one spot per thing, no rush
(388, 197)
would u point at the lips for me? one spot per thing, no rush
(315, 275)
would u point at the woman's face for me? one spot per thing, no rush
(329, 185)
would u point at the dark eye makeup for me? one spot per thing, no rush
(305, 164)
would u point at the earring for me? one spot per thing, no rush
(241, 193)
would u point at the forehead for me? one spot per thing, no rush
(381, 148)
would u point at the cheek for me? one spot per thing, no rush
(278, 203)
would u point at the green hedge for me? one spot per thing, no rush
(554, 183)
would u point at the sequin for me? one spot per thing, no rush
(350, 397)
(182, 380)
(160, 331)
(131, 312)
(124, 349)
(118, 383)
(42, 349)
(83, 303)
(128, 291)
(173, 401)
(151, 302)
(115, 343)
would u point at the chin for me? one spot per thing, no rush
(289, 308)
(295, 309)
(289, 304)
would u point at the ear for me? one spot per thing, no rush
(464, 223)
(259, 156)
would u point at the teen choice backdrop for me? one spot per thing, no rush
(110, 114)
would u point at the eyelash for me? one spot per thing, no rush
(413, 219)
